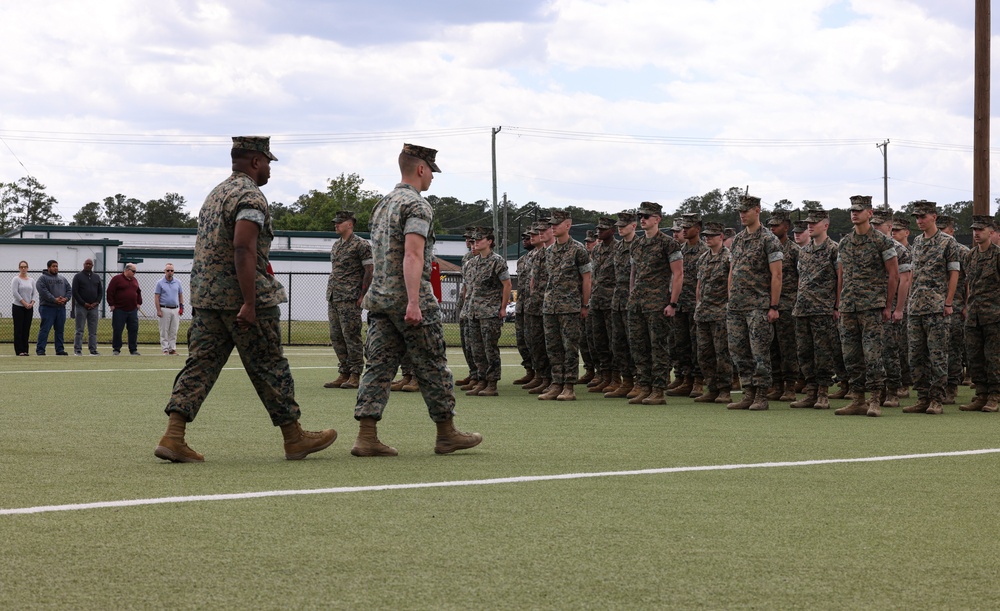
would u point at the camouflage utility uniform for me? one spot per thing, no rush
(784, 350)
(566, 264)
(601, 296)
(483, 303)
(685, 328)
(343, 291)
(815, 303)
(534, 329)
(956, 331)
(982, 323)
(649, 327)
(621, 352)
(523, 292)
(401, 212)
(469, 260)
(894, 333)
(710, 316)
(750, 333)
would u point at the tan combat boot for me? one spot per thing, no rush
(746, 401)
(903, 392)
(490, 390)
(462, 382)
(639, 396)
(697, 388)
(759, 401)
(399, 384)
(709, 396)
(594, 381)
(540, 388)
(800, 385)
(449, 439)
(677, 381)
(773, 393)
(822, 398)
(336, 383)
(529, 375)
(367, 443)
(553, 391)
(353, 382)
(845, 389)
(920, 407)
(605, 383)
(655, 397)
(875, 405)
(976, 405)
(172, 446)
(533, 383)
(950, 394)
(474, 391)
(891, 398)
(992, 402)
(807, 401)
(567, 393)
(467, 386)
(299, 443)
(935, 407)
(622, 391)
(789, 394)
(857, 407)
(683, 389)
(736, 383)
(636, 388)
(614, 382)
(411, 385)
(725, 396)
(586, 378)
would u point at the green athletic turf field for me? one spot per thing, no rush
(911, 533)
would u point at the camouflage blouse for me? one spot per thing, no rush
(933, 259)
(686, 302)
(817, 279)
(752, 255)
(983, 272)
(566, 264)
(623, 274)
(214, 284)
(651, 258)
(348, 259)
(397, 214)
(523, 282)
(603, 278)
(463, 295)
(485, 288)
(789, 275)
(862, 263)
(539, 276)
(713, 285)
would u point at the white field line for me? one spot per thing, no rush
(478, 482)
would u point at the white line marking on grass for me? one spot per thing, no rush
(476, 482)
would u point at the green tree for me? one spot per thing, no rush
(90, 215)
(313, 211)
(167, 211)
(121, 211)
(25, 202)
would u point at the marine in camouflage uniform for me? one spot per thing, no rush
(235, 214)
(468, 261)
(587, 328)
(689, 380)
(658, 276)
(784, 355)
(487, 303)
(893, 330)
(982, 322)
(754, 291)
(351, 273)
(901, 233)
(399, 324)
(935, 278)
(538, 280)
(815, 312)
(710, 317)
(566, 297)
(523, 291)
(620, 349)
(601, 296)
(956, 350)
(867, 271)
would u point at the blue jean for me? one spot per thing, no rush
(52, 316)
(120, 319)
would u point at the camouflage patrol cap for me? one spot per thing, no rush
(778, 217)
(983, 222)
(650, 208)
(800, 227)
(861, 202)
(590, 236)
(625, 218)
(881, 216)
(541, 225)
(469, 232)
(424, 153)
(261, 144)
(678, 225)
(533, 230)
(690, 219)
(344, 215)
(526, 235)
(482, 232)
(901, 222)
(557, 216)
(712, 228)
(922, 207)
(729, 232)
(943, 220)
(605, 223)
(817, 215)
(749, 201)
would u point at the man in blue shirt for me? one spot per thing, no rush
(169, 298)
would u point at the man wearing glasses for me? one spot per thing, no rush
(124, 298)
(169, 298)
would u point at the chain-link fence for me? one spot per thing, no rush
(303, 317)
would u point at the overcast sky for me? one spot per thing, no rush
(602, 104)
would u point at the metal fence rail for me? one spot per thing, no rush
(303, 317)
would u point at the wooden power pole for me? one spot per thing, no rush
(981, 110)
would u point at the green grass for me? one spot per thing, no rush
(914, 534)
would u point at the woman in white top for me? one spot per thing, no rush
(23, 310)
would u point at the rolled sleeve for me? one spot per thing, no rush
(252, 215)
(775, 256)
(889, 253)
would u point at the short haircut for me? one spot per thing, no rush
(408, 163)
(243, 154)
(51, 261)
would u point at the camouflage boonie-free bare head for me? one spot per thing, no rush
(605, 223)
(651, 208)
(590, 236)
(778, 217)
(800, 226)
(861, 202)
(816, 216)
(713, 228)
(943, 221)
(729, 232)
(983, 222)
(344, 215)
(690, 219)
(625, 218)
(749, 201)
(558, 216)
(261, 144)
(922, 207)
(424, 153)
(901, 222)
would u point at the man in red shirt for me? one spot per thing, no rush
(124, 297)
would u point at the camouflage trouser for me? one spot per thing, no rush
(984, 357)
(928, 338)
(562, 342)
(905, 371)
(838, 356)
(956, 349)
(345, 335)
(406, 365)
(713, 355)
(649, 336)
(522, 343)
(815, 337)
(484, 337)
(893, 346)
(784, 350)
(621, 354)
(750, 336)
(673, 363)
(534, 333)
(389, 338)
(601, 331)
(685, 347)
(211, 338)
(586, 340)
(463, 333)
(861, 335)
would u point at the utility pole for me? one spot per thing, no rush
(503, 238)
(885, 169)
(981, 112)
(496, 224)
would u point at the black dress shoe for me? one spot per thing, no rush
(62, 353)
